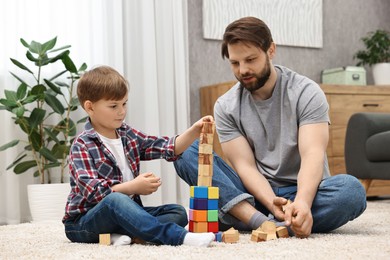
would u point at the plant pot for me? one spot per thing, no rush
(47, 201)
(381, 73)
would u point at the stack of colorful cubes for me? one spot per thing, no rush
(203, 213)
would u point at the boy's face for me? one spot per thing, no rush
(107, 115)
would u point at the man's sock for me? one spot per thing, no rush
(258, 218)
(198, 239)
(120, 240)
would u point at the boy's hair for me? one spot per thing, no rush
(249, 30)
(102, 82)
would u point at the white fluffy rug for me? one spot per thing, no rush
(368, 237)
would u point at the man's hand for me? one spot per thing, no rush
(278, 208)
(298, 217)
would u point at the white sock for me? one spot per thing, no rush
(120, 240)
(198, 239)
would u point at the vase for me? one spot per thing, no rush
(47, 201)
(381, 73)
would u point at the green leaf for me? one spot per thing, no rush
(83, 67)
(25, 44)
(61, 48)
(20, 65)
(36, 117)
(29, 99)
(21, 92)
(47, 154)
(9, 145)
(60, 151)
(49, 45)
(36, 140)
(24, 166)
(31, 57)
(19, 111)
(36, 47)
(52, 135)
(22, 81)
(69, 65)
(9, 105)
(57, 75)
(16, 161)
(82, 120)
(59, 56)
(55, 104)
(53, 87)
(10, 95)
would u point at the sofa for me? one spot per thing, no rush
(367, 147)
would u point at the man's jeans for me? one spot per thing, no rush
(339, 198)
(118, 213)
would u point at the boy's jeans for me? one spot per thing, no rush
(118, 213)
(339, 198)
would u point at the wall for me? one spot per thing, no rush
(344, 21)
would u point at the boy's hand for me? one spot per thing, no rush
(199, 123)
(146, 183)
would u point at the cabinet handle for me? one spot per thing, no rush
(370, 105)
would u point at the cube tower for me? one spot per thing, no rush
(203, 213)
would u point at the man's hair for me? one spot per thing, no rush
(248, 30)
(101, 83)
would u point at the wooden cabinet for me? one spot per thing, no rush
(343, 102)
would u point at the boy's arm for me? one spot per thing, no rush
(184, 140)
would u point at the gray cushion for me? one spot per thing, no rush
(378, 147)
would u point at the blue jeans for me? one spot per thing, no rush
(118, 213)
(339, 198)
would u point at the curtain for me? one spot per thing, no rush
(145, 40)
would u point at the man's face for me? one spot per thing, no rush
(250, 65)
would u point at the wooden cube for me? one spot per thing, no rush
(105, 239)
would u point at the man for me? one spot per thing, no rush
(273, 129)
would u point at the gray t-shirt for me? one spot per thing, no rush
(271, 126)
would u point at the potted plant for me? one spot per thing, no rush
(376, 55)
(42, 110)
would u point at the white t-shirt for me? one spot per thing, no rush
(116, 148)
(271, 126)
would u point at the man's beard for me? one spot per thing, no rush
(261, 78)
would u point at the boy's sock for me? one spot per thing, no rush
(198, 239)
(120, 240)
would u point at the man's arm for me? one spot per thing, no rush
(312, 143)
(240, 155)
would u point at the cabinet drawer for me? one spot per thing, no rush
(343, 106)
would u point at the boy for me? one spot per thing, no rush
(104, 167)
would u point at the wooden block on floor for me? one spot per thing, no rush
(282, 232)
(105, 239)
(268, 227)
(258, 236)
(230, 236)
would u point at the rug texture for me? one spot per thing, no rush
(367, 237)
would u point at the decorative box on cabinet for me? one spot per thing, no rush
(343, 102)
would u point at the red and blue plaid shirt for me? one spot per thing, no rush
(93, 168)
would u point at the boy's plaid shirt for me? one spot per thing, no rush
(93, 168)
